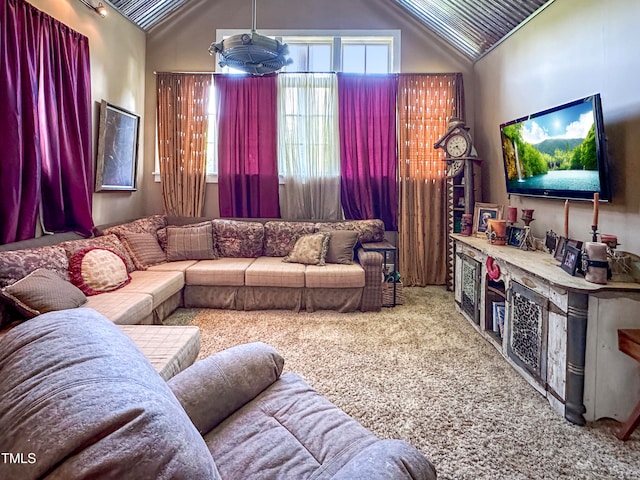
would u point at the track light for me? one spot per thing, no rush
(100, 9)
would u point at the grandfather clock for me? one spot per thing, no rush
(459, 155)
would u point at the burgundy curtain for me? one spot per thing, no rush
(65, 128)
(45, 125)
(247, 146)
(368, 154)
(19, 137)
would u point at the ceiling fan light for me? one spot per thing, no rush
(251, 52)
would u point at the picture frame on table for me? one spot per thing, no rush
(117, 159)
(560, 246)
(570, 259)
(515, 237)
(482, 213)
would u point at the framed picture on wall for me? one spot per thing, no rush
(482, 213)
(117, 160)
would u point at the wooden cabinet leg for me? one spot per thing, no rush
(630, 425)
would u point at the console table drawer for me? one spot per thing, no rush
(531, 282)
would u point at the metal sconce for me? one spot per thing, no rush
(100, 9)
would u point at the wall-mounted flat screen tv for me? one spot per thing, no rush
(558, 153)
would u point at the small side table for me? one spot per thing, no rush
(386, 248)
(629, 343)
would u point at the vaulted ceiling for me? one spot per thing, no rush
(472, 27)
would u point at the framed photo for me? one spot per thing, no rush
(516, 236)
(560, 246)
(482, 212)
(117, 161)
(575, 243)
(570, 259)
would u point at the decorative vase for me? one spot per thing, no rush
(497, 232)
(466, 224)
(512, 214)
(527, 216)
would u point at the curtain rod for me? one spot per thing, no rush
(222, 73)
(325, 73)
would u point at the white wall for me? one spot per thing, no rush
(117, 51)
(572, 49)
(181, 43)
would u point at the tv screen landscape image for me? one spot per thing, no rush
(558, 153)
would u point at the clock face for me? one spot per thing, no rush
(457, 145)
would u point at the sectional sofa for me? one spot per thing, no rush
(231, 264)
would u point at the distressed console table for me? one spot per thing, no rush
(560, 331)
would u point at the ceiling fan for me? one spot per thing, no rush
(251, 52)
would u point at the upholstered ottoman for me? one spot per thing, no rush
(170, 349)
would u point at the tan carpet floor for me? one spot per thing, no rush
(420, 372)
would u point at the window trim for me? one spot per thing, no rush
(339, 36)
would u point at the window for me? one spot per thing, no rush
(310, 54)
(376, 51)
(364, 56)
(212, 136)
(355, 51)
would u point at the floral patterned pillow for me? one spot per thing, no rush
(106, 241)
(17, 264)
(368, 230)
(150, 224)
(281, 236)
(238, 239)
(309, 249)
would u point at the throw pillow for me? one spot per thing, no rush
(111, 242)
(190, 243)
(309, 249)
(98, 270)
(42, 291)
(17, 264)
(341, 243)
(144, 249)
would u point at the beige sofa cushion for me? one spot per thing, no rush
(122, 307)
(170, 349)
(334, 275)
(223, 271)
(160, 285)
(179, 266)
(273, 272)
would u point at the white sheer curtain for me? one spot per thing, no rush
(308, 146)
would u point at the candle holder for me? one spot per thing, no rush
(594, 233)
(527, 242)
(610, 240)
(527, 216)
